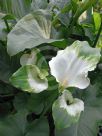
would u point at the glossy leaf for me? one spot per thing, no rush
(31, 31)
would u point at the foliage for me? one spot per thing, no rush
(50, 67)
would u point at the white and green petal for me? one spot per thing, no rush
(34, 57)
(29, 58)
(29, 78)
(66, 112)
(70, 67)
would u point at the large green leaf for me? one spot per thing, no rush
(14, 125)
(31, 31)
(38, 128)
(32, 103)
(59, 3)
(18, 8)
(17, 125)
(8, 65)
(88, 124)
(39, 4)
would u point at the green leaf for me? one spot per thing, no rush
(89, 31)
(6, 89)
(14, 125)
(90, 118)
(36, 103)
(99, 43)
(8, 65)
(19, 8)
(85, 5)
(31, 31)
(38, 128)
(5, 107)
(29, 78)
(31, 103)
(62, 10)
(17, 125)
(59, 3)
(97, 21)
(39, 4)
(21, 100)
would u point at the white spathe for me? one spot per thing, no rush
(29, 78)
(66, 110)
(70, 67)
(74, 108)
(35, 82)
(29, 59)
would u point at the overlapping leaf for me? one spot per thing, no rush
(31, 31)
(89, 121)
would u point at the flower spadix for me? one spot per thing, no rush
(67, 110)
(70, 67)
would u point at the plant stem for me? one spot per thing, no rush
(7, 26)
(98, 35)
(51, 124)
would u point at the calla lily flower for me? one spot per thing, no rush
(34, 57)
(70, 67)
(67, 110)
(29, 58)
(29, 78)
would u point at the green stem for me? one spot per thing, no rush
(98, 35)
(61, 89)
(7, 26)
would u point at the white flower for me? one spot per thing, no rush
(29, 58)
(29, 78)
(74, 107)
(70, 67)
(68, 108)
